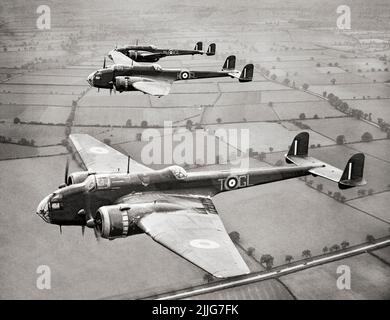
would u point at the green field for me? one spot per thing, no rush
(37, 99)
(238, 113)
(351, 128)
(292, 110)
(13, 151)
(377, 205)
(383, 253)
(35, 113)
(286, 96)
(378, 108)
(379, 149)
(349, 91)
(103, 99)
(50, 80)
(264, 135)
(42, 134)
(288, 217)
(370, 279)
(41, 88)
(119, 116)
(229, 98)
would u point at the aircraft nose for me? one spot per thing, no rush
(43, 209)
(90, 79)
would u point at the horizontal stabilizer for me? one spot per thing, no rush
(351, 177)
(247, 73)
(230, 64)
(199, 46)
(211, 49)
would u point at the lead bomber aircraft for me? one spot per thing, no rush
(119, 197)
(151, 53)
(128, 75)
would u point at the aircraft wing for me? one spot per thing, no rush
(196, 233)
(120, 58)
(154, 88)
(99, 157)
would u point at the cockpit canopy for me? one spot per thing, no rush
(157, 67)
(178, 172)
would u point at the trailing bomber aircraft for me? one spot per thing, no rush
(128, 75)
(119, 197)
(151, 53)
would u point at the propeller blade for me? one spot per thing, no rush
(66, 170)
(97, 234)
(83, 230)
(104, 63)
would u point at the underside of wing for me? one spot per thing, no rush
(195, 232)
(120, 58)
(99, 157)
(154, 88)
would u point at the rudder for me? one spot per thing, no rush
(211, 49)
(199, 46)
(230, 63)
(300, 145)
(247, 73)
(353, 172)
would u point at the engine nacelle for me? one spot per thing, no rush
(77, 177)
(132, 55)
(123, 84)
(184, 75)
(136, 56)
(115, 221)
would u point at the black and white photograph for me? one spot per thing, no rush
(195, 150)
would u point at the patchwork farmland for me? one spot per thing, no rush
(44, 97)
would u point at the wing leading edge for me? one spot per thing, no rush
(99, 157)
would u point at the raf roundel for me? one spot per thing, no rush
(185, 75)
(231, 183)
(98, 150)
(204, 244)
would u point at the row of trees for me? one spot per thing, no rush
(366, 137)
(267, 260)
(21, 141)
(342, 106)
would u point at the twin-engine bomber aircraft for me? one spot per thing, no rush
(152, 54)
(119, 197)
(128, 75)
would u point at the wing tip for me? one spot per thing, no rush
(232, 272)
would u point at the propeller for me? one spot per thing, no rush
(104, 63)
(91, 222)
(66, 171)
(97, 233)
